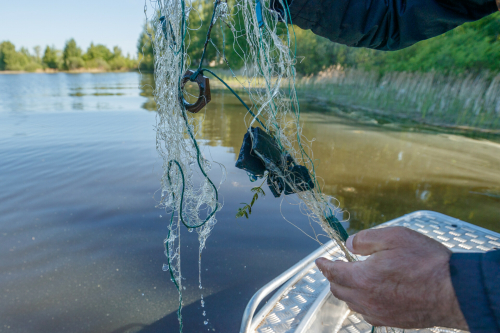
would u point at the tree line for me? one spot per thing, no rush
(472, 47)
(71, 58)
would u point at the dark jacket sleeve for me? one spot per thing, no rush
(385, 24)
(476, 280)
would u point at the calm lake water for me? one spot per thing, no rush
(82, 242)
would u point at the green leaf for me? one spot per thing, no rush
(247, 208)
(241, 212)
(255, 197)
(259, 190)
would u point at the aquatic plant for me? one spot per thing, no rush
(465, 100)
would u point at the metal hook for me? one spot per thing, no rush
(204, 96)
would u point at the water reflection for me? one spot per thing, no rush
(147, 85)
(67, 92)
(82, 239)
(378, 172)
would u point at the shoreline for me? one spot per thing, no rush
(348, 110)
(343, 103)
(79, 71)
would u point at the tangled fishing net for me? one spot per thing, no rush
(274, 147)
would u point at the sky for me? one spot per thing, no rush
(52, 22)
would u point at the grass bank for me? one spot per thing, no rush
(465, 101)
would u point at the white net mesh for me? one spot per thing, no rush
(266, 47)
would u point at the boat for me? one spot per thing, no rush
(299, 300)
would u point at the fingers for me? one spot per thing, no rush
(350, 296)
(325, 267)
(339, 272)
(369, 241)
(345, 294)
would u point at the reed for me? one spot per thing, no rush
(466, 100)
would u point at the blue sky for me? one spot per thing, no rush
(51, 22)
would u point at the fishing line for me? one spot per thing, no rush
(276, 151)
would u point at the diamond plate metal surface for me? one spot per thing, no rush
(457, 235)
(292, 307)
(355, 323)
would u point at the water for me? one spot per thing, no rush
(82, 241)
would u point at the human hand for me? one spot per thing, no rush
(404, 283)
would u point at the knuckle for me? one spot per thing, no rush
(396, 235)
(395, 232)
(402, 232)
(338, 272)
(344, 274)
(359, 239)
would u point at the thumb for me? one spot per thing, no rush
(325, 267)
(369, 241)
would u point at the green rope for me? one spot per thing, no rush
(237, 96)
(209, 31)
(182, 194)
(331, 219)
(198, 159)
(335, 225)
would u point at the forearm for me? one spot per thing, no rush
(385, 24)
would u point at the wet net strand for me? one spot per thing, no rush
(269, 81)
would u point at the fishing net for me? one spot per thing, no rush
(274, 148)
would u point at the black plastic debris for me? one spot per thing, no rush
(299, 176)
(262, 153)
(275, 184)
(248, 161)
(266, 147)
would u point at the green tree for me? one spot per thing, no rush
(222, 47)
(145, 49)
(51, 58)
(72, 56)
(6, 48)
(12, 60)
(38, 54)
(472, 47)
(119, 62)
(97, 56)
